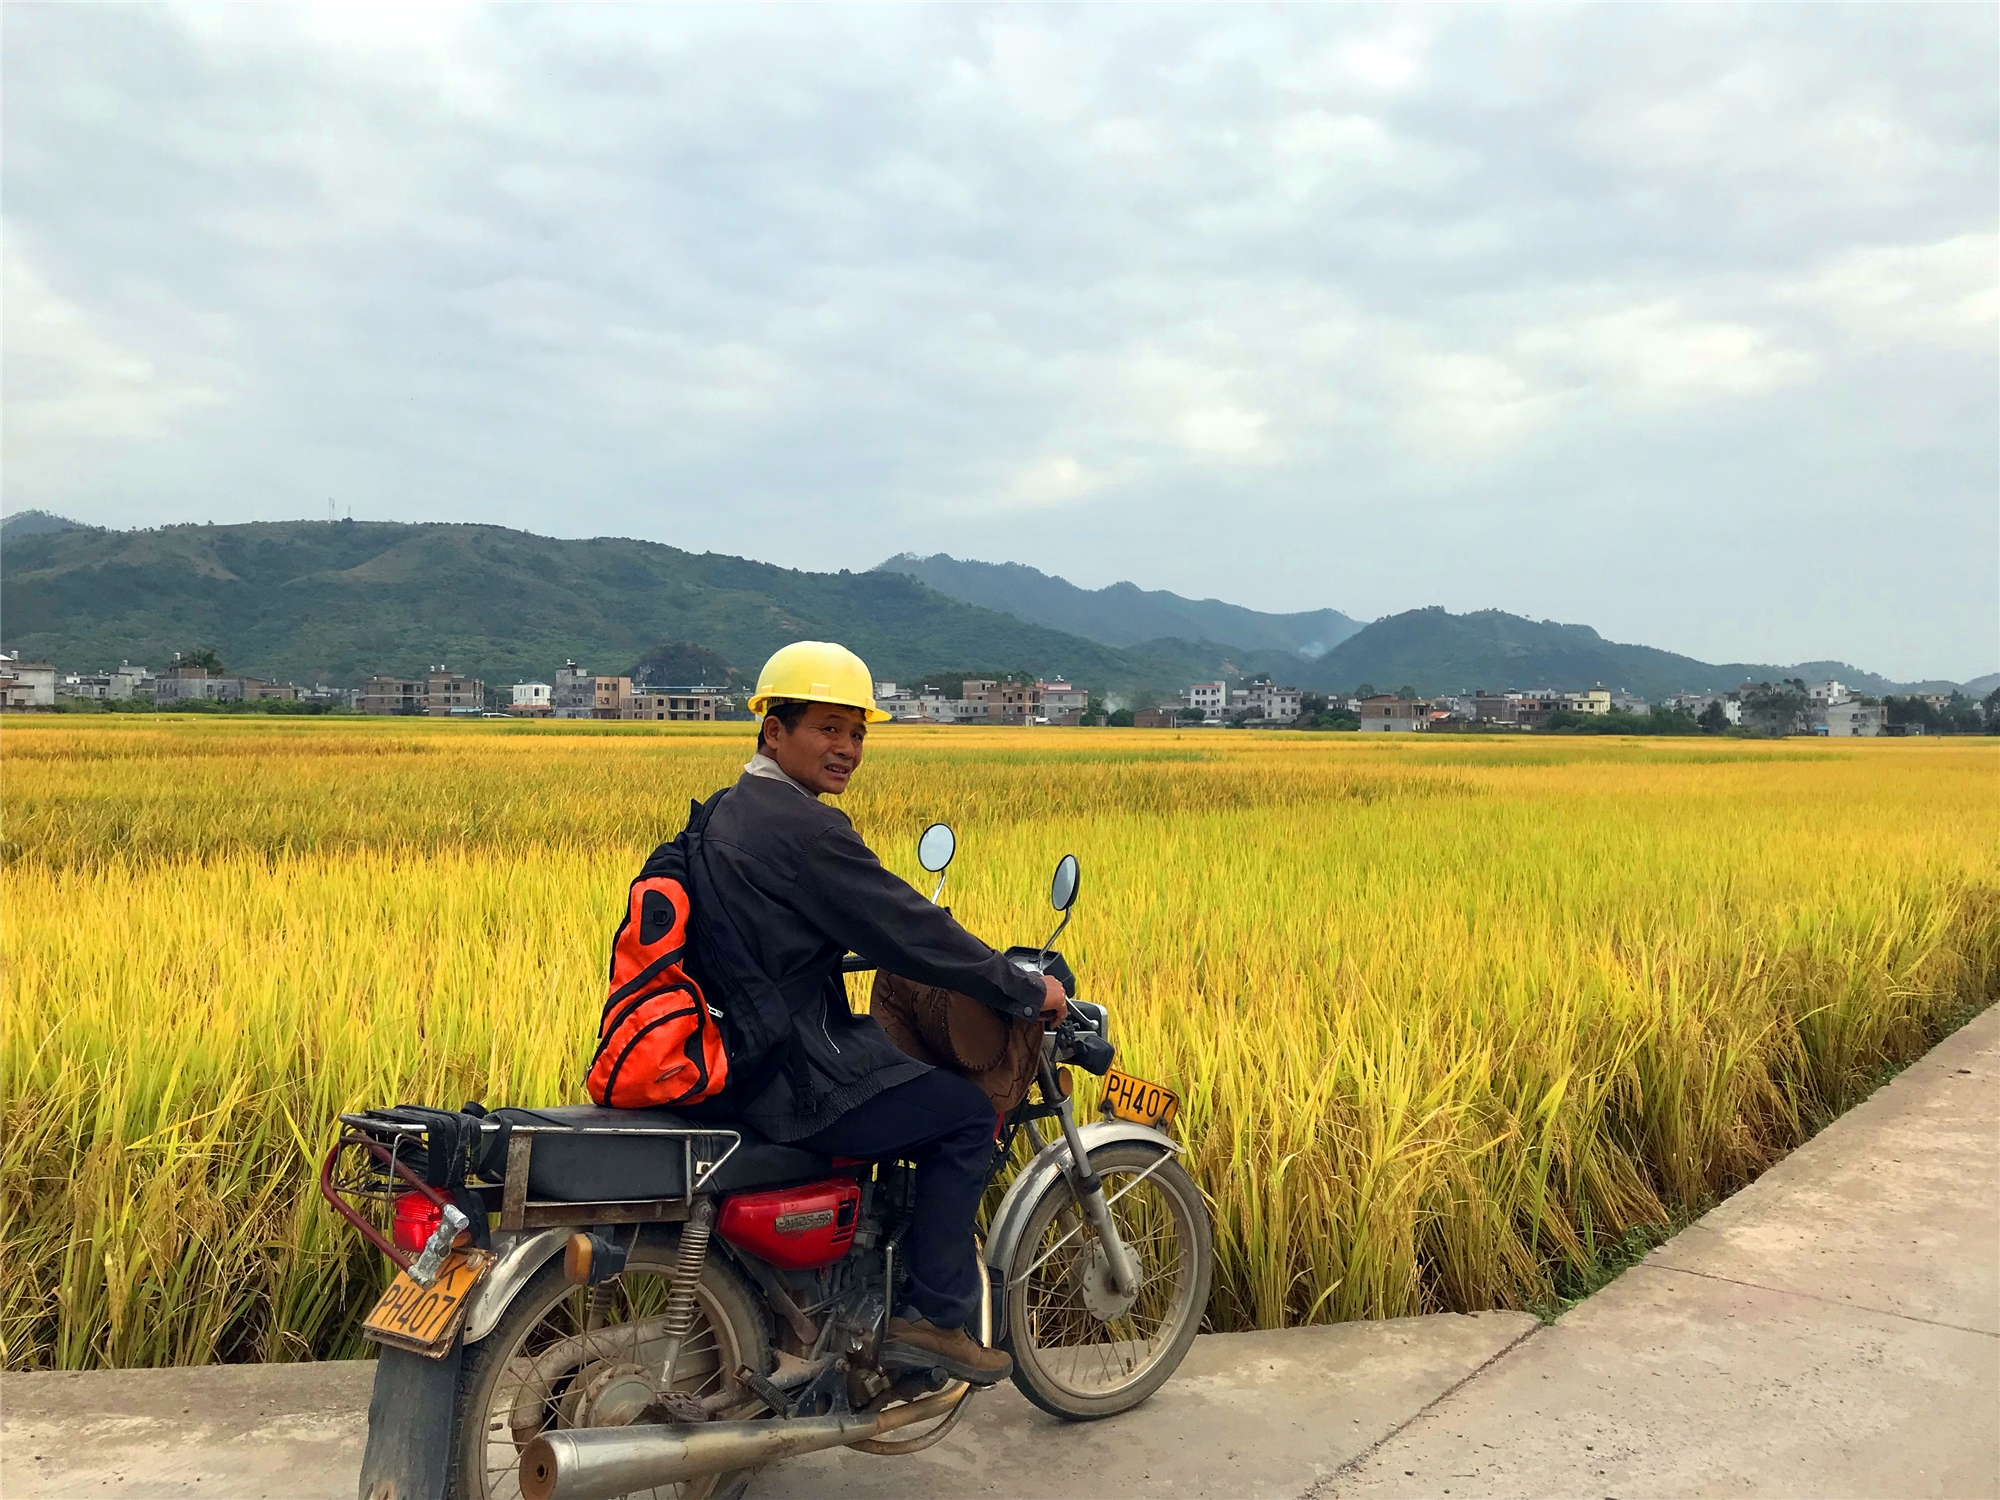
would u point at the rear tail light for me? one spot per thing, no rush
(417, 1219)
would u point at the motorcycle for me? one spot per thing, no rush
(667, 1306)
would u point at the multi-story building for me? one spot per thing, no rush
(1266, 703)
(26, 684)
(1062, 702)
(1012, 703)
(898, 702)
(608, 697)
(1595, 700)
(1698, 704)
(391, 695)
(1852, 717)
(194, 685)
(1386, 713)
(94, 685)
(699, 703)
(446, 693)
(575, 695)
(1829, 692)
(440, 693)
(1209, 699)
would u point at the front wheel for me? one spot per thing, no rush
(1082, 1349)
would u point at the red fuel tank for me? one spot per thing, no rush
(798, 1227)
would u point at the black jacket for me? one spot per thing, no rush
(802, 889)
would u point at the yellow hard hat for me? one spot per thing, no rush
(816, 672)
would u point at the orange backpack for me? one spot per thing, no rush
(659, 1043)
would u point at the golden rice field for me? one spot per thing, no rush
(1450, 1016)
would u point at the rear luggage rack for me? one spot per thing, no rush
(393, 1159)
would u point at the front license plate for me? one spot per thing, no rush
(423, 1319)
(1143, 1103)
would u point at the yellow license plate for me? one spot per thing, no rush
(423, 1319)
(1143, 1103)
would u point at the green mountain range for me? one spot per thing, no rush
(323, 601)
(1123, 614)
(335, 602)
(1436, 652)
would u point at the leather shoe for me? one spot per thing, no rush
(917, 1344)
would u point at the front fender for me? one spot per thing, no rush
(1011, 1218)
(526, 1254)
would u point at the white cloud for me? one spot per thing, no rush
(1949, 288)
(71, 384)
(1120, 286)
(1659, 352)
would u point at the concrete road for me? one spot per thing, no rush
(1833, 1330)
(1250, 1414)
(1829, 1331)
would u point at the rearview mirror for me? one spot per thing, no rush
(1062, 890)
(936, 847)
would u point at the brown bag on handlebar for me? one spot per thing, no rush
(955, 1032)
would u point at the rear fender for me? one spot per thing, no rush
(1010, 1220)
(521, 1255)
(410, 1429)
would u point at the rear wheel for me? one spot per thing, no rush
(1083, 1350)
(551, 1364)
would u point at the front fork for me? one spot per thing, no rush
(1089, 1188)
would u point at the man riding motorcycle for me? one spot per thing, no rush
(804, 890)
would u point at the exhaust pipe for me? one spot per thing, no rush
(600, 1463)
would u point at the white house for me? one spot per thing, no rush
(1209, 699)
(1264, 701)
(26, 684)
(1697, 704)
(1595, 700)
(1852, 718)
(1059, 699)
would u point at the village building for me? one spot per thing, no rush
(697, 703)
(1385, 713)
(26, 684)
(1851, 717)
(440, 693)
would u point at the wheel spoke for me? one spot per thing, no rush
(1084, 1354)
(543, 1385)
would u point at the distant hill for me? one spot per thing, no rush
(1122, 614)
(33, 523)
(337, 601)
(1436, 652)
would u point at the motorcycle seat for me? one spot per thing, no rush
(608, 1168)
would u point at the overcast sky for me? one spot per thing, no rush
(1677, 322)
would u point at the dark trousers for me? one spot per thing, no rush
(944, 1124)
